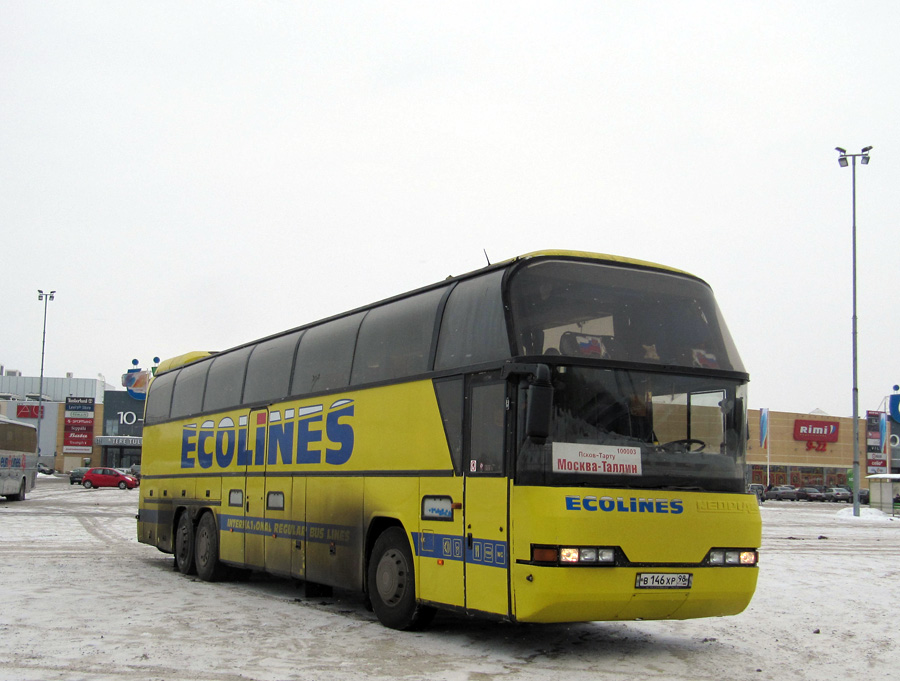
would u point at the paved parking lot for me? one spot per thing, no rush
(83, 600)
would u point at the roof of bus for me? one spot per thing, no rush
(598, 256)
(181, 360)
(189, 357)
(6, 419)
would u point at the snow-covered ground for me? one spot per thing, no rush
(81, 599)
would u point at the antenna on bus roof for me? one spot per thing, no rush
(486, 256)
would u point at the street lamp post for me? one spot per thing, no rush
(46, 298)
(843, 161)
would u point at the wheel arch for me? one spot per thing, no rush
(376, 528)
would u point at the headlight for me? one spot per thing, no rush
(587, 555)
(574, 555)
(732, 557)
(568, 555)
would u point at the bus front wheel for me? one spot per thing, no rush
(184, 545)
(392, 583)
(206, 549)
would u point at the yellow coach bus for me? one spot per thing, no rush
(559, 437)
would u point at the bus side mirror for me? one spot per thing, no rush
(540, 408)
(539, 396)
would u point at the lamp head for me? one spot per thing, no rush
(843, 161)
(840, 151)
(866, 150)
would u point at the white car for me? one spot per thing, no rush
(838, 494)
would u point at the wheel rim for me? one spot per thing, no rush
(181, 539)
(202, 546)
(391, 577)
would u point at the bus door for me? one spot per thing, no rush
(280, 532)
(232, 517)
(255, 491)
(485, 506)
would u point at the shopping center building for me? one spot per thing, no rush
(812, 450)
(83, 421)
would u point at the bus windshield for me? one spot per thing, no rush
(648, 386)
(640, 430)
(619, 313)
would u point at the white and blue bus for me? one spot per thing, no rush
(18, 458)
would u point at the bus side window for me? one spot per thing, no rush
(187, 398)
(451, 398)
(159, 398)
(225, 380)
(395, 339)
(486, 429)
(325, 355)
(269, 369)
(473, 328)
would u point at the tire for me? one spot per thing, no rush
(21, 494)
(87, 484)
(206, 549)
(184, 545)
(122, 485)
(391, 581)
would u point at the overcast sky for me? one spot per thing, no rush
(195, 175)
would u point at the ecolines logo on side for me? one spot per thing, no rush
(298, 436)
(621, 505)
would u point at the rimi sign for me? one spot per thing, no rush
(806, 430)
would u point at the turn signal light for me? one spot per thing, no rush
(544, 554)
(574, 555)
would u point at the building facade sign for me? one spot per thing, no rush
(118, 441)
(29, 411)
(877, 439)
(807, 430)
(78, 428)
(122, 414)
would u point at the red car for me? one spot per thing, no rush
(108, 477)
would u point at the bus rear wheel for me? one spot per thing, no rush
(20, 496)
(184, 545)
(206, 549)
(392, 583)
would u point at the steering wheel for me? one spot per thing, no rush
(687, 442)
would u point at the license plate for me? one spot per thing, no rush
(663, 580)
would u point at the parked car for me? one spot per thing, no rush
(758, 490)
(108, 477)
(45, 469)
(136, 470)
(782, 493)
(840, 494)
(76, 475)
(863, 495)
(811, 494)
